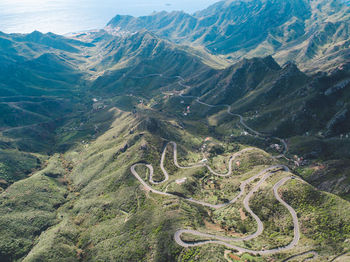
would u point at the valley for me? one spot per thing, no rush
(218, 136)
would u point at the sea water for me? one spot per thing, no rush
(66, 16)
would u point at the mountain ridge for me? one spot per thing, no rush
(133, 144)
(240, 29)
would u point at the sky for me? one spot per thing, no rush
(66, 16)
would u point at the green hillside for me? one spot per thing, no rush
(218, 136)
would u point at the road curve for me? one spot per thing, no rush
(201, 164)
(223, 240)
(214, 206)
(265, 174)
(229, 108)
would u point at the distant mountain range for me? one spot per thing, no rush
(288, 96)
(314, 34)
(279, 62)
(81, 114)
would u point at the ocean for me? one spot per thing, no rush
(66, 16)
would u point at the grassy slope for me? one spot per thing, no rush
(28, 208)
(99, 212)
(283, 102)
(39, 91)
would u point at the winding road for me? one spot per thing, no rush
(263, 175)
(223, 240)
(229, 108)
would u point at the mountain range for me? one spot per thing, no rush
(99, 131)
(310, 33)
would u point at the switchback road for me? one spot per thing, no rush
(263, 175)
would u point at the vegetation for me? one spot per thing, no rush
(28, 208)
(77, 113)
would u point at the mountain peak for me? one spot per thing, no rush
(248, 28)
(34, 36)
(267, 63)
(271, 62)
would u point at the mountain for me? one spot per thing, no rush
(288, 96)
(313, 34)
(143, 54)
(217, 136)
(39, 88)
(278, 100)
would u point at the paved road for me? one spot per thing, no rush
(145, 185)
(265, 174)
(229, 109)
(223, 240)
(201, 164)
(166, 175)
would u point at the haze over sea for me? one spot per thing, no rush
(65, 16)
